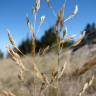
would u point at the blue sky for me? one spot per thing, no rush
(13, 17)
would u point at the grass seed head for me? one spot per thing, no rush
(11, 39)
(15, 57)
(37, 5)
(42, 19)
(33, 10)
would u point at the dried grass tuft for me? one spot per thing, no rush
(58, 70)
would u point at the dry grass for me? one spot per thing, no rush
(60, 73)
(69, 85)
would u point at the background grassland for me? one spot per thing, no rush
(69, 84)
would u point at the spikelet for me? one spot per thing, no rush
(72, 14)
(13, 42)
(16, 58)
(37, 5)
(33, 10)
(42, 19)
(13, 55)
(11, 39)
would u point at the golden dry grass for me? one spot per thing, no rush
(69, 85)
(60, 73)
